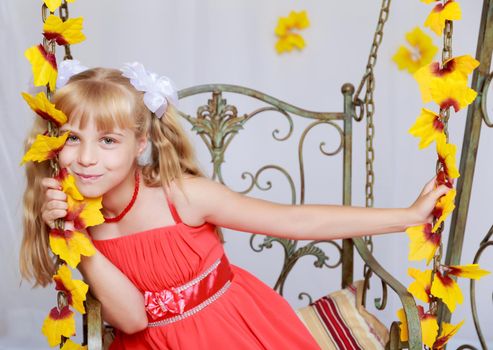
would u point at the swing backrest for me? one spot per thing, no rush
(217, 123)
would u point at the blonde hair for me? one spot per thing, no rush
(106, 97)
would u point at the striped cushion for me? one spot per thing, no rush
(339, 321)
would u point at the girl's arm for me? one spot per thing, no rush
(223, 207)
(121, 302)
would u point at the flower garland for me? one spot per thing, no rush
(446, 84)
(68, 245)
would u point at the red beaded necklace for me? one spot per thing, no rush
(129, 206)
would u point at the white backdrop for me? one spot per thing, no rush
(224, 41)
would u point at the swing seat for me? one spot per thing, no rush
(340, 321)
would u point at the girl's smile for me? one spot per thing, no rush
(87, 178)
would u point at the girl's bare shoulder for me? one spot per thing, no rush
(188, 197)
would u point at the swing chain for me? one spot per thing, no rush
(64, 15)
(367, 107)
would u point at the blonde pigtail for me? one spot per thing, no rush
(36, 263)
(173, 155)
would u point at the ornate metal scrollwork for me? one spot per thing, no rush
(380, 303)
(217, 123)
(394, 342)
(485, 243)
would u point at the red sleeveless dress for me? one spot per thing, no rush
(248, 315)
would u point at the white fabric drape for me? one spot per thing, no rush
(208, 41)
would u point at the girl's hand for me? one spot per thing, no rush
(421, 210)
(55, 202)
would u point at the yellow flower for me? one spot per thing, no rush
(447, 289)
(44, 148)
(428, 127)
(75, 290)
(288, 40)
(448, 331)
(84, 213)
(420, 288)
(443, 208)
(54, 4)
(58, 323)
(451, 93)
(442, 12)
(423, 243)
(70, 245)
(68, 32)
(68, 184)
(429, 326)
(421, 53)
(446, 156)
(43, 65)
(472, 271)
(45, 109)
(70, 345)
(457, 68)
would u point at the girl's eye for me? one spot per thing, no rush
(108, 140)
(72, 139)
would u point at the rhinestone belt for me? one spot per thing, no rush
(171, 305)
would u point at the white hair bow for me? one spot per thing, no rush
(66, 69)
(158, 91)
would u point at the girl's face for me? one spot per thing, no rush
(99, 160)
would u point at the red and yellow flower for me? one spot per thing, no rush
(74, 290)
(44, 148)
(288, 39)
(421, 287)
(421, 53)
(448, 331)
(428, 127)
(446, 156)
(451, 92)
(84, 213)
(67, 182)
(70, 245)
(472, 271)
(443, 208)
(45, 109)
(429, 326)
(43, 66)
(58, 323)
(457, 68)
(445, 288)
(63, 32)
(423, 242)
(450, 10)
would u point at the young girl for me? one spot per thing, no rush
(159, 270)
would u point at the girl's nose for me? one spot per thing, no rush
(87, 155)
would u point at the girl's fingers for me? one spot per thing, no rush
(55, 195)
(49, 182)
(52, 205)
(430, 185)
(440, 191)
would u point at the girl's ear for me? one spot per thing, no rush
(144, 151)
(142, 144)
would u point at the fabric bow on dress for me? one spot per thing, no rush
(159, 303)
